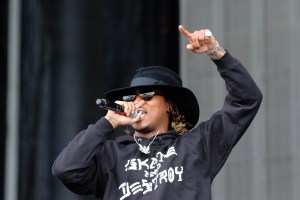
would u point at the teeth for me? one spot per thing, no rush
(141, 111)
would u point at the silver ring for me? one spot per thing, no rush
(207, 34)
(133, 114)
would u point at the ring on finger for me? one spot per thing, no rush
(207, 33)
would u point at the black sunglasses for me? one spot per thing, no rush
(147, 96)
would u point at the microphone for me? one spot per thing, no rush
(103, 103)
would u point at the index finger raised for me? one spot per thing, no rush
(185, 32)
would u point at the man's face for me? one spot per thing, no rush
(154, 115)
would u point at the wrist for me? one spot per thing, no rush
(217, 52)
(112, 121)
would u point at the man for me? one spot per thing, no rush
(167, 156)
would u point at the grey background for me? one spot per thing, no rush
(265, 37)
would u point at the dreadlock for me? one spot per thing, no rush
(177, 121)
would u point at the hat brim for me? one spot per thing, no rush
(184, 99)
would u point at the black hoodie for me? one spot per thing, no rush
(177, 167)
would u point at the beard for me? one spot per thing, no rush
(144, 130)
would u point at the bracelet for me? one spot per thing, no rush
(212, 51)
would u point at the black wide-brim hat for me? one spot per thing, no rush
(166, 81)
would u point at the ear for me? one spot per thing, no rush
(169, 106)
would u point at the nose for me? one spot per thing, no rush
(137, 99)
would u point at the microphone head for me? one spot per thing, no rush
(101, 102)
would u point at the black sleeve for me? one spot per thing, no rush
(77, 166)
(224, 129)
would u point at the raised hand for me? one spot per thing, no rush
(201, 41)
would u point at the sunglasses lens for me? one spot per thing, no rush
(147, 96)
(128, 97)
